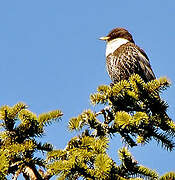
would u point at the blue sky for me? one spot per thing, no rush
(51, 58)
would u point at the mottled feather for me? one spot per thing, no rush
(127, 60)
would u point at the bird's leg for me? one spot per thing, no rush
(111, 85)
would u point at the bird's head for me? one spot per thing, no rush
(118, 33)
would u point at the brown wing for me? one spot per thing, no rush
(145, 64)
(127, 60)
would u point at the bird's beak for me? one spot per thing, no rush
(104, 38)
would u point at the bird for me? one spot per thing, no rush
(124, 57)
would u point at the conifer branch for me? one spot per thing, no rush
(134, 109)
(168, 176)
(17, 141)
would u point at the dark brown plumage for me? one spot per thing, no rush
(124, 58)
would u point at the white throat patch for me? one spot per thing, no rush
(111, 46)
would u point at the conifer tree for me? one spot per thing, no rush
(133, 109)
(20, 129)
